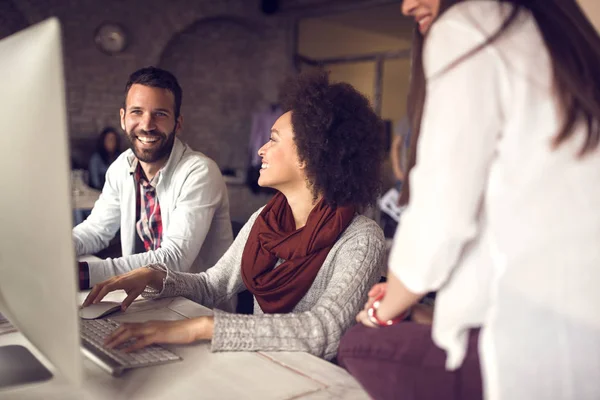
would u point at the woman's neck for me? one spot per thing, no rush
(301, 201)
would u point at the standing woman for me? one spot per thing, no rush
(503, 216)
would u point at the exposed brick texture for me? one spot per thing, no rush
(11, 19)
(229, 57)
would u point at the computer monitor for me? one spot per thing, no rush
(37, 261)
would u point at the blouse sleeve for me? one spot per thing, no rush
(461, 123)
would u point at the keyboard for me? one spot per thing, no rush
(5, 325)
(114, 361)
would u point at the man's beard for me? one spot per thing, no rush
(161, 151)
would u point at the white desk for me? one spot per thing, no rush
(201, 374)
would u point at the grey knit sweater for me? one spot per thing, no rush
(317, 322)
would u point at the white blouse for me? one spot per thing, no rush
(505, 227)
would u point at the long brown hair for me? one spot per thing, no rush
(574, 47)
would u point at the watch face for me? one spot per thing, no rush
(111, 38)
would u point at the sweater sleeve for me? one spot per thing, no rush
(215, 286)
(356, 267)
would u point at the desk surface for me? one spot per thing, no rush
(201, 374)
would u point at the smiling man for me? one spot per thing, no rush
(169, 201)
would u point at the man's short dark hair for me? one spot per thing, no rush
(158, 78)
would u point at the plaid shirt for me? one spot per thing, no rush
(149, 221)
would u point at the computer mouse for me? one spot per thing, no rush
(99, 310)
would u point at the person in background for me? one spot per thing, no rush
(502, 218)
(107, 150)
(398, 156)
(400, 142)
(308, 257)
(169, 201)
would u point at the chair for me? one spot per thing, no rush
(245, 303)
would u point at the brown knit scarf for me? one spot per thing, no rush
(274, 236)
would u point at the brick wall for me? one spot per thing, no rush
(11, 19)
(229, 57)
(230, 68)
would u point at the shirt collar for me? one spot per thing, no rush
(174, 157)
(139, 175)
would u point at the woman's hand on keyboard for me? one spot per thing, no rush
(133, 283)
(154, 332)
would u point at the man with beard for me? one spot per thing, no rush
(169, 201)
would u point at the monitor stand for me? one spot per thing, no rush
(19, 367)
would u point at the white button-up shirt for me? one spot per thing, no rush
(503, 225)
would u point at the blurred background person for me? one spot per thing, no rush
(399, 147)
(107, 150)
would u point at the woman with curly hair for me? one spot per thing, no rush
(308, 257)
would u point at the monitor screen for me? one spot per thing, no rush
(37, 262)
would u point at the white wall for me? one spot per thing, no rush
(319, 38)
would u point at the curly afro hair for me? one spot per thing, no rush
(338, 136)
